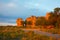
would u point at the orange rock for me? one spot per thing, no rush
(32, 19)
(19, 22)
(47, 15)
(50, 27)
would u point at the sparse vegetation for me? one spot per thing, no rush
(15, 33)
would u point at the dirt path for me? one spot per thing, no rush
(43, 33)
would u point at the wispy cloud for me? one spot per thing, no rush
(31, 5)
(11, 5)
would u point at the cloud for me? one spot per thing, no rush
(32, 5)
(37, 4)
(11, 5)
(5, 24)
(9, 8)
(8, 20)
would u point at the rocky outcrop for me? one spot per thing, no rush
(32, 21)
(19, 22)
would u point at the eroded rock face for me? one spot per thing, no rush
(47, 15)
(50, 27)
(19, 22)
(32, 21)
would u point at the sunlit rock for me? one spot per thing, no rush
(19, 22)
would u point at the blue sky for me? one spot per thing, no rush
(10, 10)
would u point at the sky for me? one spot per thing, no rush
(10, 10)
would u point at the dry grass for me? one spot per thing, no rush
(15, 33)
